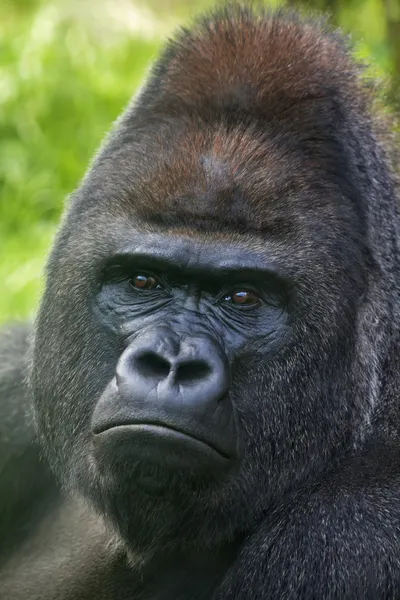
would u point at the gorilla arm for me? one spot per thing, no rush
(340, 538)
(48, 545)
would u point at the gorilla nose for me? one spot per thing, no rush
(169, 401)
(182, 371)
(189, 373)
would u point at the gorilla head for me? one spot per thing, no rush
(219, 292)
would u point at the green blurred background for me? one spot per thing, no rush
(67, 69)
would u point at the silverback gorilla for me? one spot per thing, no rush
(215, 363)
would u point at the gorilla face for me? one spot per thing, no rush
(164, 423)
(179, 317)
(194, 348)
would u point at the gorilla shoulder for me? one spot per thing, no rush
(25, 480)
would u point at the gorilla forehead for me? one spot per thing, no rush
(237, 178)
(229, 185)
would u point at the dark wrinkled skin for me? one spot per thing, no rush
(214, 366)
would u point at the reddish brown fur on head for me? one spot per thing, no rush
(213, 175)
(260, 62)
(244, 109)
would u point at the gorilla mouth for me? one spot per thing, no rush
(160, 441)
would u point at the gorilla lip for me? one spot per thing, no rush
(160, 430)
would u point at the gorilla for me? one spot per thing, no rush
(214, 368)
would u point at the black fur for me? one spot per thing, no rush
(254, 140)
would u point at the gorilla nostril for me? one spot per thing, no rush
(151, 364)
(192, 371)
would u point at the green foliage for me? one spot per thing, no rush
(64, 77)
(60, 88)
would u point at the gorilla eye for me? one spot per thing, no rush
(144, 282)
(243, 297)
